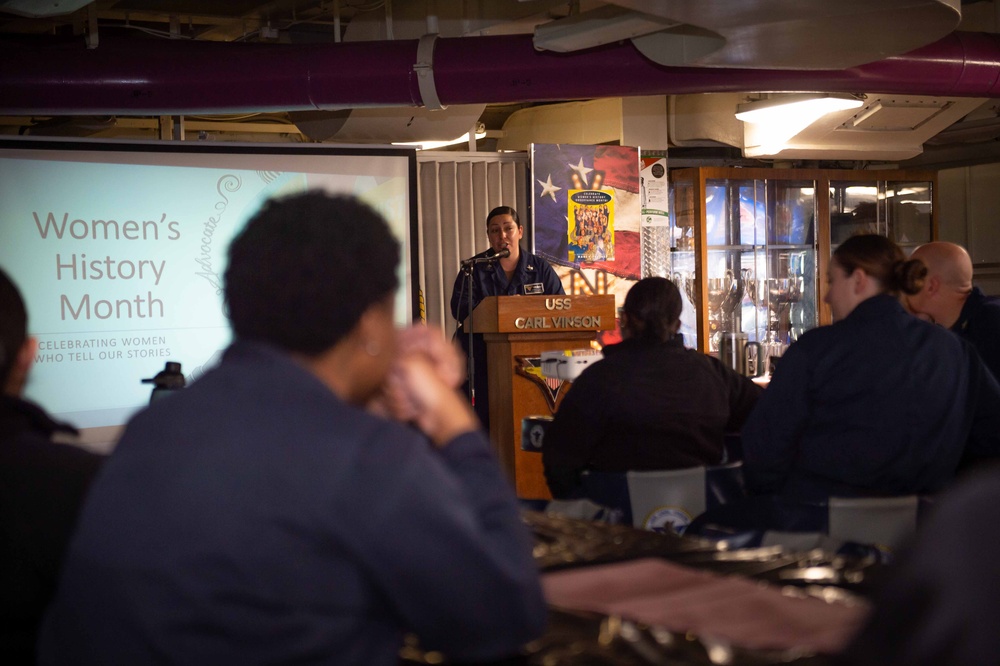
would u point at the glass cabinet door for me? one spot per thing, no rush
(684, 210)
(908, 213)
(901, 210)
(791, 265)
(761, 263)
(746, 244)
(855, 208)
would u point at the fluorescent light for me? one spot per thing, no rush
(770, 138)
(432, 145)
(792, 108)
(773, 121)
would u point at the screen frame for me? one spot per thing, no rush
(102, 438)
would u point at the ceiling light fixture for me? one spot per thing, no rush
(794, 107)
(771, 122)
(433, 145)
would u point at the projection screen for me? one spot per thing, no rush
(119, 250)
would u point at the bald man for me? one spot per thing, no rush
(950, 299)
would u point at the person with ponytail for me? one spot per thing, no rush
(650, 404)
(878, 403)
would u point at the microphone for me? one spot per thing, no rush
(487, 259)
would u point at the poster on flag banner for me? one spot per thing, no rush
(586, 216)
(586, 207)
(591, 230)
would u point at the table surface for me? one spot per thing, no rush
(613, 595)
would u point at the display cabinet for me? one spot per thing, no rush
(750, 247)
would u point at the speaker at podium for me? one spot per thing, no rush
(517, 331)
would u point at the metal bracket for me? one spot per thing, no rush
(92, 37)
(424, 69)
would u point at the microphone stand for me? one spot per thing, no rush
(470, 361)
(467, 268)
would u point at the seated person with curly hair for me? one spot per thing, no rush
(266, 514)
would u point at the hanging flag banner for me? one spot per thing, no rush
(586, 207)
(586, 217)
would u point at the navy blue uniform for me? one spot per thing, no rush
(879, 403)
(979, 323)
(533, 276)
(42, 486)
(257, 518)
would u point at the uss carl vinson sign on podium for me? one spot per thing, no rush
(517, 329)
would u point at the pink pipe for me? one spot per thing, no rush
(148, 77)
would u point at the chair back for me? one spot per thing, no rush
(884, 522)
(665, 500)
(857, 525)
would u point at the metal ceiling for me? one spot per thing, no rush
(155, 57)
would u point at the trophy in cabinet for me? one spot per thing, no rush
(685, 282)
(774, 296)
(724, 295)
(783, 292)
(757, 291)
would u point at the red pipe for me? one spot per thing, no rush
(149, 77)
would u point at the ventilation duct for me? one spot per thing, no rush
(804, 34)
(147, 77)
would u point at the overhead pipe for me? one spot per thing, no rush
(154, 77)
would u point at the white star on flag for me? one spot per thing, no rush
(548, 188)
(582, 170)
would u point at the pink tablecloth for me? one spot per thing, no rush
(741, 611)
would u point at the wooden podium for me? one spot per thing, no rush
(517, 329)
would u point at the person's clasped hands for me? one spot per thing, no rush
(421, 386)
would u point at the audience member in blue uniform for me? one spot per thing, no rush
(266, 515)
(878, 403)
(649, 403)
(938, 605)
(42, 485)
(521, 273)
(949, 298)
